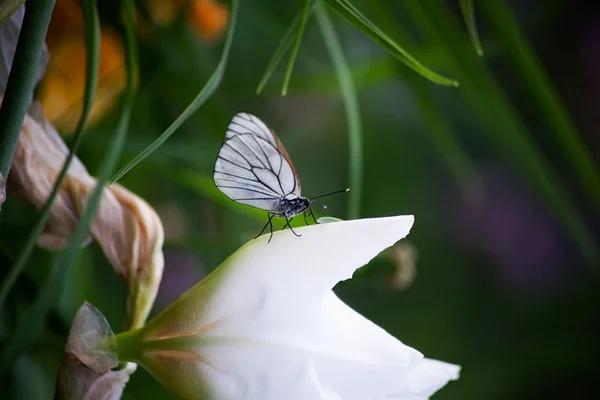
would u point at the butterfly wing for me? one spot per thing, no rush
(248, 123)
(251, 168)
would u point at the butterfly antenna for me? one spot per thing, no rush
(329, 194)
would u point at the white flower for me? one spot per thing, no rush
(266, 325)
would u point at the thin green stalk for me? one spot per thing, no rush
(468, 12)
(92, 38)
(282, 48)
(344, 76)
(347, 10)
(21, 80)
(33, 318)
(294, 52)
(548, 100)
(209, 88)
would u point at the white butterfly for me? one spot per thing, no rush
(253, 168)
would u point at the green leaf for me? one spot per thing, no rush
(468, 11)
(205, 93)
(356, 18)
(294, 52)
(92, 39)
(350, 98)
(548, 100)
(31, 322)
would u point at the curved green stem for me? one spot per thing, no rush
(468, 11)
(344, 76)
(294, 52)
(21, 80)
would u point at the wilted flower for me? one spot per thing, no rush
(127, 229)
(266, 325)
(86, 372)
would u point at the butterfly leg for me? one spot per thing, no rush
(269, 223)
(313, 215)
(288, 224)
(305, 221)
(271, 228)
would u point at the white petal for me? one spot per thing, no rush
(256, 372)
(289, 272)
(426, 379)
(269, 311)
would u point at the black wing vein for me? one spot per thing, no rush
(237, 165)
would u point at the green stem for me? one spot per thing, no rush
(92, 33)
(344, 76)
(128, 346)
(468, 12)
(21, 80)
(294, 52)
(282, 48)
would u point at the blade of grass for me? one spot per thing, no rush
(468, 11)
(205, 93)
(548, 100)
(356, 18)
(282, 48)
(344, 77)
(92, 39)
(21, 80)
(33, 318)
(294, 52)
(440, 131)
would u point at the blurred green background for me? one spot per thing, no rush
(500, 272)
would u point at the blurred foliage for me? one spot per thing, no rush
(501, 174)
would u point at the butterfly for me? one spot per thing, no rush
(253, 168)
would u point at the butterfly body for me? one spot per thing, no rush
(292, 207)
